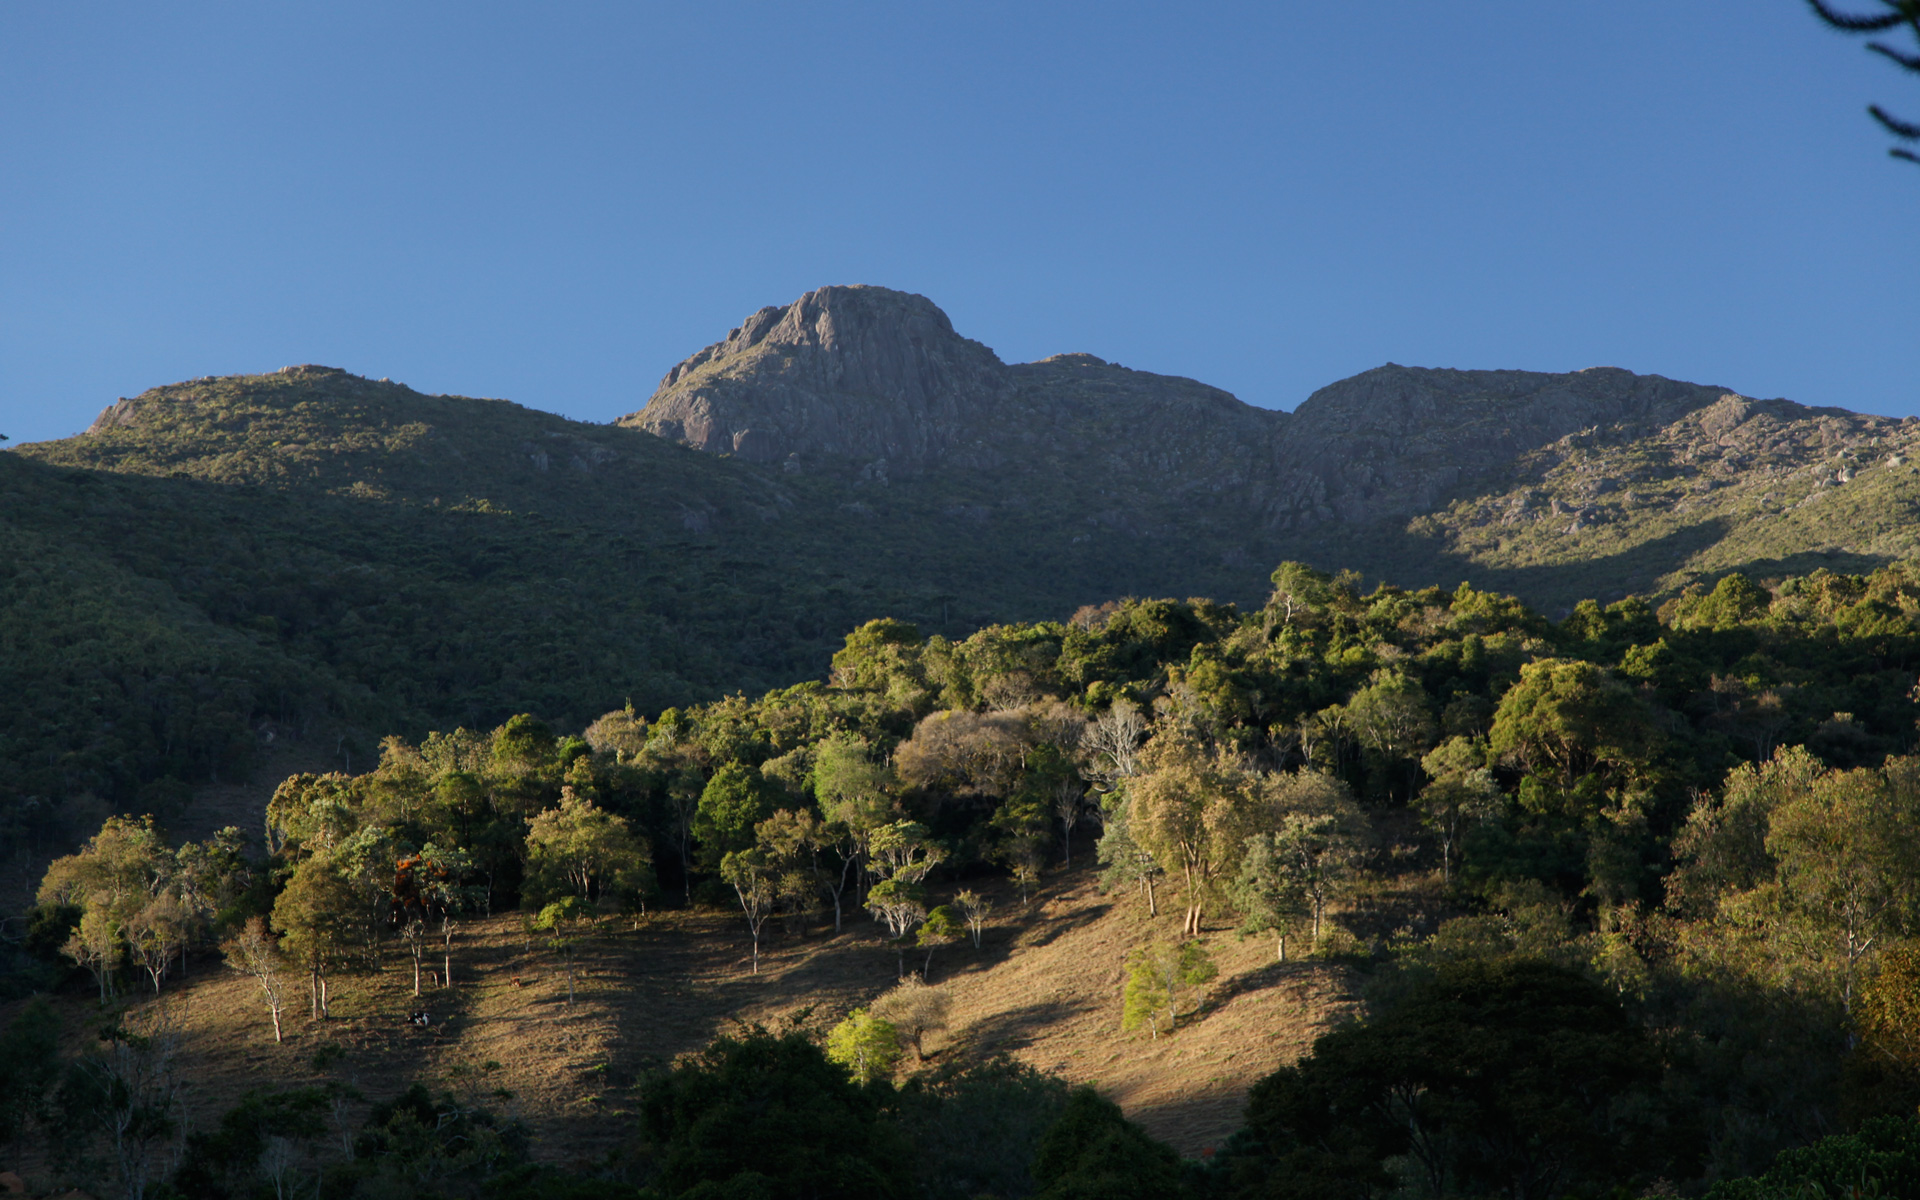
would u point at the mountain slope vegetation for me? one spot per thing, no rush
(1638, 885)
(227, 563)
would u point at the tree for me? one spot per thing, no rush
(914, 1008)
(112, 879)
(414, 932)
(30, 1066)
(1900, 13)
(904, 851)
(1021, 823)
(1112, 743)
(212, 875)
(581, 850)
(367, 862)
(1888, 1017)
(975, 1127)
(1569, 718)
(441, 883)
(755, 879)
(1848, 850)
(1318, 852)
(966, 753)
(792, 840)
(1092, 1152)
(1722, 848)
(770, 1115)
(1268, 893)
(253, 953)
(732, 804)
(311, 814)
(1189, 806)
(1393, 717)
(1511, 1078)
(315, 917)
(1461, 795)
(1158, 975)
(1299, 591)
(136, 1091)
(1881, 1158)
(865, 1045)
(156, 934)
(561, 922)
(974, 910)
(255, 1147)
(622, 733)
(942, 927)
(96, 944)
(900, 906)
(1127, 862)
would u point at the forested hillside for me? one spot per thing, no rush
(228, 566)
(1636, 888)
(224, 563)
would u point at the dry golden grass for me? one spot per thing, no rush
(1044, 988)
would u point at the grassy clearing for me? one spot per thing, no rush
(1044, 988)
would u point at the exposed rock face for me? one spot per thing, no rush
(867, 373)
(860, 372)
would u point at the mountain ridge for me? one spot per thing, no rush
(310, 549)
(864, 372)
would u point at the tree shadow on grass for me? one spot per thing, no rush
(1017, 1028)
(1197, 1123)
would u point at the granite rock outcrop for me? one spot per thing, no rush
(869, 375)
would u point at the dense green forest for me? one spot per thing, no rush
(310, 554)
(1630, 893)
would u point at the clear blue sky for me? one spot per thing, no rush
(554, 203)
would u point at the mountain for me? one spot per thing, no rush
(1400, 472)
(224, 564)
(877, 377)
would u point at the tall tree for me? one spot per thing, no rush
(733, 803)
(1461, 795)
(252, 952)
(1189, 806)
(1268, 892)
(1394, 719)
(754, 876)
(900, 905)
(585, 851)
(316, 916)
(446, 896)
(1848, 851)
(1567, 718)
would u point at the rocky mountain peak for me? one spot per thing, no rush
(870, 373)
(855, 371)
